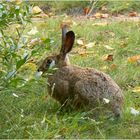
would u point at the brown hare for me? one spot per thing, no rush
(80, 86)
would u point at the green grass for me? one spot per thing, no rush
(33, 114)
(112, 6)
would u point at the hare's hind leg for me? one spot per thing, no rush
(84, 92)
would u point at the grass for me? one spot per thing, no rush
(33, 114)
(75, 7)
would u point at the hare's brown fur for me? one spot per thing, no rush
(80, 86)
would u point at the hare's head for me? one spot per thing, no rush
(60, 59)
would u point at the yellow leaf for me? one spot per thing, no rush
(136, 89)
(90, 45)
(134, 58)
(108, 47)
(36, 10)
(100, 24)
(80, 42)
(97, 15)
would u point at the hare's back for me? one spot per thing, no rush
(94, 79)
(91, 82)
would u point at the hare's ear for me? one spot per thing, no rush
(68, 43)
(64, 31)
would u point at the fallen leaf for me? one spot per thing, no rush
(108, 47)
(133, 14)
(36, 10)
(108, 57)
(80, 42)
(136, 89)
(134, 58)
(100, 24)
(90, 45)
(100, 15)
(86, 10)
(134, 112)
(97, 15)
(113, 66)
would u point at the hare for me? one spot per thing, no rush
(80, 86)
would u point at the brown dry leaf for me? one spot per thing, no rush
(90, 45)
(113, 66)
(136, 89)
(100, 24)
(108, 47)
(36, 10)
(80, 42)
(108, 57)
(134, 58)
(86, 10)
(133, 14)
(82, 52)
(97, 15)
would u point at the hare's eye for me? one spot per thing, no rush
(49, 61)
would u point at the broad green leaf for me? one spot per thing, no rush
(21, 62)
